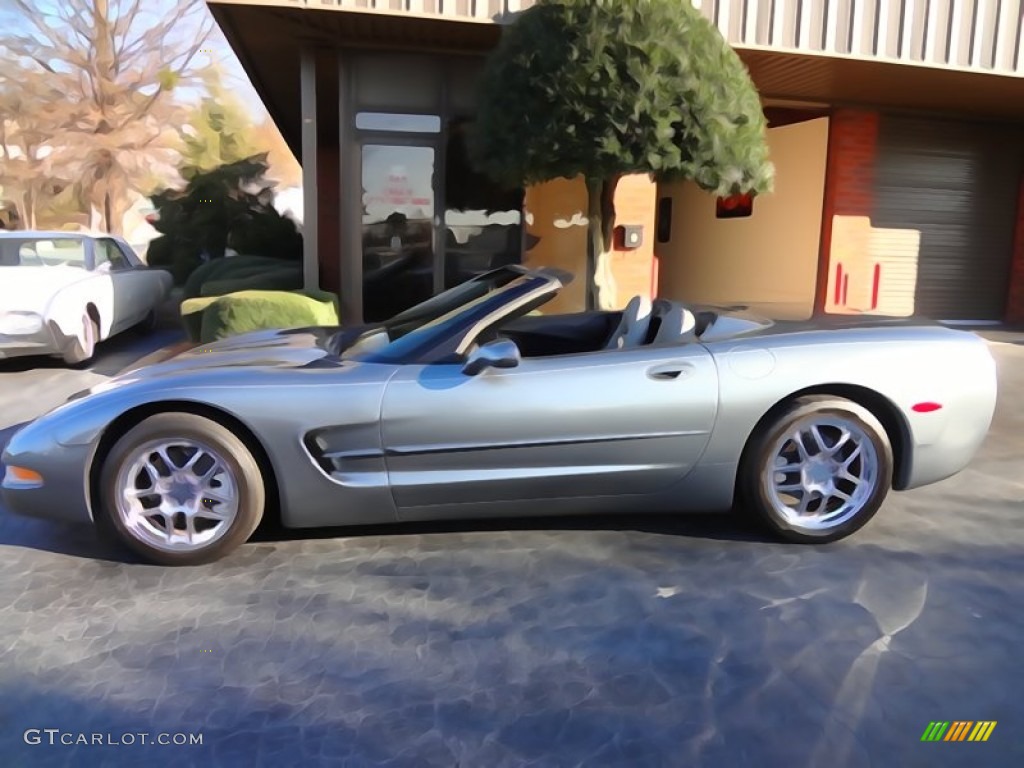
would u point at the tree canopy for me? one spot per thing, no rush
(601, 88)
(219, 130)
(114, 65)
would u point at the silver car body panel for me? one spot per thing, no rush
(648, 428)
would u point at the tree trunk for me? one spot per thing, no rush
(107, 213)
(30, 210)
(22, 210)
(601, 293)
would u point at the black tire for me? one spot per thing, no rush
(756, 485)
(235, 456)
(147, 325)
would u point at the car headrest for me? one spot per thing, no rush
(677, 322)
(632, 329)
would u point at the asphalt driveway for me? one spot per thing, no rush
(628, 642)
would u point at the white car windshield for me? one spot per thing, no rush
(42, 252)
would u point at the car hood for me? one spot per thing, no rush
(29, 289)
(313, 347)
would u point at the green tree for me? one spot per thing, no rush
(219, 130)
(228, 207)
(604, 88)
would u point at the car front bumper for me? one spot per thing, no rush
(62, 493)
(41, 342)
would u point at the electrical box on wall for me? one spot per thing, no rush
(734, 206)
(629, 236)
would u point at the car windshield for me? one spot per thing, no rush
(435, 323)
(42, 252)
(460, 296)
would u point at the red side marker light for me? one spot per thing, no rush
(926, 407)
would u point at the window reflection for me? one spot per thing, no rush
(482, 220)
(398, 212)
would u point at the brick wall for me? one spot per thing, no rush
(632, 268)
(849, 179)
(1015, 299)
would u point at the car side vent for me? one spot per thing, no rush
(319, 449)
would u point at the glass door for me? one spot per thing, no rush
(397, 227)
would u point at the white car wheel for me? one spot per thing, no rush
(83, 347)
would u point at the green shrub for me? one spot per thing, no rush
(281, 279)
(228, 207)
(222, 269)
(192, 315)
(247, 311)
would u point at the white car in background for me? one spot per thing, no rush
(61, 293)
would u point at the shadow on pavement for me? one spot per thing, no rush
(713, 527)
(112, 355)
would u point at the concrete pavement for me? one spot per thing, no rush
(30, 386)
(634, 641)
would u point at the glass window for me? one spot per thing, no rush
(399, 123)
(451, 327)
(482, 220)
(108, 252)
(39, 252)
(398, 228)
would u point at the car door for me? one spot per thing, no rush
(608, 423)
(131, 294)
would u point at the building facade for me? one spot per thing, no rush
(896, 128)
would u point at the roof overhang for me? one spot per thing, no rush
(268, 35)
(898, 86)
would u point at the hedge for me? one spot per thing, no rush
(211, 318)
(283, 279)
(230, 267)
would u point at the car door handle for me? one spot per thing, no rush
(669, 371)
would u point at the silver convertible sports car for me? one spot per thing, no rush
(473, 404)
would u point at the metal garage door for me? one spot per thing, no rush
(957, 184)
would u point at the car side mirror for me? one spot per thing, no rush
(500, 353)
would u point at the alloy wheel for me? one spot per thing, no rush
(821, 472)
(176, 495)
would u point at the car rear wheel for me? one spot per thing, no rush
(818, 471)
(181, 489)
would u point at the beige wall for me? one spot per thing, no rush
(556, 226)
(770, 258)
(556, 217)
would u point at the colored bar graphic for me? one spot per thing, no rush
(958, 730)
(982, 730)
(935, 731)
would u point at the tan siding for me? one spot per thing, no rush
(770, 258)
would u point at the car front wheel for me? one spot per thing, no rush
(180, 489)
(818, 471)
